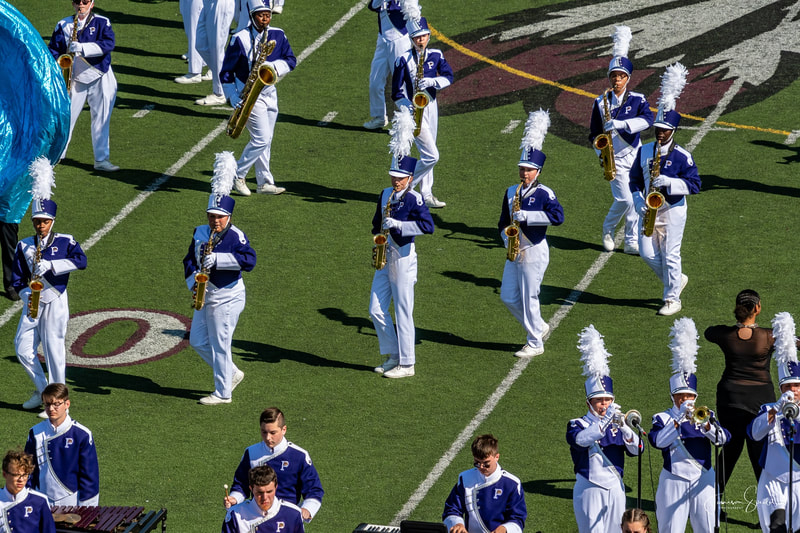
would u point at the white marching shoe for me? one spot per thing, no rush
(608, 242)
(530, 351)
(269, 188)
(390, 363)
(670, 307)
(189, 78)
(631, 249)
(400, 371)
(236, 379)
(213, 399)
(211, 99)
(376, 123)
(105, 166)
(684, 282)
(34, 401)
(241, 187)
(433, 202)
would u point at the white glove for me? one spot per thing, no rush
(43, 267)
(76, 48)
(426, 83)
(614, 125)
(627, 433)
(521, 216)
(611, 412)
(209, 261)
(785, 398)
(662, 181)
(235, 101)
(391, 223)
(685, 406)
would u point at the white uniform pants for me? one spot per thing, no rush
(49, 328)
(522, 280)
(212, 334)
(101, 95)
(395, 283)
(622, 206)
(212, 36)
(662, 250)
(386, 53)
(678, 500)
(428, 153)
(773, 495)
(190, 11)
(261, 125)
(597, 509)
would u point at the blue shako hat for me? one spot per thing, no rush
(622, 42)
(595, 364)
(684, 354)
(402, 167)
(533, 139)
(221, 205)
(667, 120)
(783, 329)
(42, 182)
(220, 201)
(417, 27)
(42, 208)
(254, 6)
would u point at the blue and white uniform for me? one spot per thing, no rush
(662, 250)
(50, 327)
(633, 110)
(212, 329)
(92, 76)
(522, 279)
(297, 477)
(396, 281)
(439, 73)
(686, 485)
(213, 28)
(482, 503)
(392, 43)
(598, 455)
(190, 12)
(773, 485)
(247, 517)
(25, 512)
(235, 70)
(66, 463)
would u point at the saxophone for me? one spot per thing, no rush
(605, 144)
(35, 284)
(65, 61)
(512, 230)
(421, 98)
(201, 278)
(261, 75)
(381, 240)
(654, 199)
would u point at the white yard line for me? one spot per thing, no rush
(511, 126)
(144, 111)
(185, 158)
(327, 118)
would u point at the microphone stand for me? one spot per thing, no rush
(642, 436)
(717, 495)
(791, 470)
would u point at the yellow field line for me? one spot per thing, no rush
(466, 51)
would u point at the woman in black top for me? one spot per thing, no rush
(746, 383)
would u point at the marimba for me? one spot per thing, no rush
(406, 526)
(375, 528)
(109, 519)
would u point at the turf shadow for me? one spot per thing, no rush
(712, 182)
(486, 237)
(143, 179)
(596, 299)
(312, 192)
(550, 487)
(466, 277)
(120, 17)
(101, 382)
(268, 353)
(787, 160)
(315, 123)
(141, 52)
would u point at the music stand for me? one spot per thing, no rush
(412, 526)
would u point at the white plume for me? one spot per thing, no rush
(402, 133)
(783, 330)
(594, 355)
(684, 345)
(42, 178)
(224, 173)
(535, 130)
(410, 9)
(622, 41)
(672, 83)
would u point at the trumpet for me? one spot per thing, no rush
(605, 144)
(698, 415)
(631, 418)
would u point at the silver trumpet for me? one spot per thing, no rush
(631, 418)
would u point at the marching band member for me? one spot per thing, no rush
(239, 61)
(401, 214)
(437, 75)
(485, 498)
(538, 208)
(635, 521)
(48, 258)
(92, 76)
(264, 511)
(297, 476)
(779, 427)
(628, 115)
(392, 44)
(213, 325)
(686, 485)
(598, 444)
(213, 28)
(66, 458)
(190, 13)
(22, 510)
(678, 177)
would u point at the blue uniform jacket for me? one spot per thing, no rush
(633, 106)
(70, 456)
(499, 500)
(29, 513)
(786, 427)
(692, 436)
(678, 163)
(395, 14)
(612, 445)
(282, 517)
(60, 248)
(541, 199)
(297, 477)
(97, 30)
(238, 56)
(409, 206)
(405, 72)
(235, 256)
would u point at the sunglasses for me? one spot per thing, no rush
(82, 2)
(482, 464)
